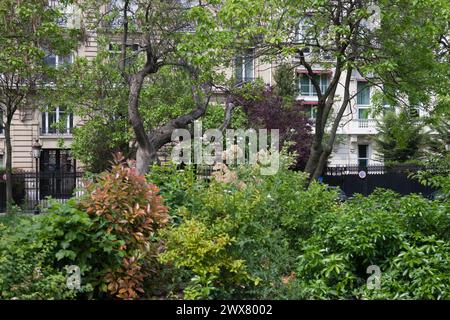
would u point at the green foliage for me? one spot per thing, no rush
(203, 249)
(257, 216)
(299, 242)
(286, 82)
(384, 230)
(439, 174)
(94, 91)
(400, 137)
(27, 261)
(178, 187)
(109, 235)
(420, 271)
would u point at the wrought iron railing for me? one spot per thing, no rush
(31, 190)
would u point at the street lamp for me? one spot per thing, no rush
(36, 149)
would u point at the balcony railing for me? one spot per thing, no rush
(366, 123)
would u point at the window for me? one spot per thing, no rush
(307, 88)
(58, 121)
(363, 103)
(363, 93)
(55, 61)
(363, 117)
(1, 122)
(363, 113)
(56, 160)
(67, 12)
(244, 67)
(363, 155)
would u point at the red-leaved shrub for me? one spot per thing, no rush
(128, 209)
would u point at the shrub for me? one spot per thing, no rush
(203, 250)
(177, 187)
(384, 230)
(263, 219)
(419, 271)
(127, 211)
(27, 269)
(108, 234)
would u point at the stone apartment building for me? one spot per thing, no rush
(354, 146)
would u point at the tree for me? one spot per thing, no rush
(396, 43)
(29, 31)
(181, 35)
(439, 133)
(400, 137)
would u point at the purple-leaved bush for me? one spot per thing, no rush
(267, 109)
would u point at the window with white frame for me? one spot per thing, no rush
(363, 103)
(57, 121)
(245, 67)
(55, 61)
(307, 88)
(363, 94)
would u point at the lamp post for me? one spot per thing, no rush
(36, 149)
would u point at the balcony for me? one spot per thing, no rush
(360, 126)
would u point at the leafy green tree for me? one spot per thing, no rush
(181, 35)
(439, 133)
(95, 91)
(286, 82)
(29, 31)
(400, 137)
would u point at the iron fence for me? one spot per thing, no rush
(32, 190)
(354, 179)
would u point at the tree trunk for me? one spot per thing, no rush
(321, 164)
(146, 152)
(317, 145)
(314, 156)
(8, 167)
(144, 158)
